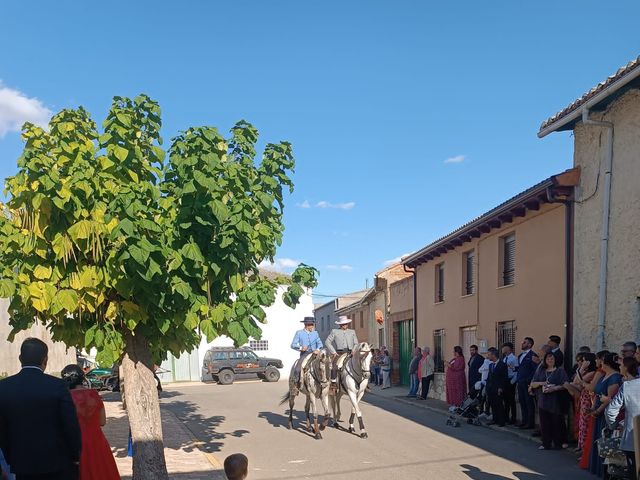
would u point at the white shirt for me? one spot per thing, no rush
(484, 370)
(34, 367)
(512, 366)
(522, 355)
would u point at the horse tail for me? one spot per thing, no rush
(285, 398)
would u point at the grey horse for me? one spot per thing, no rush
(353, 378)
(314, 383)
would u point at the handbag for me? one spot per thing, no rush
(609, 446)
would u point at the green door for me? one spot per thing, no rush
(405, 341)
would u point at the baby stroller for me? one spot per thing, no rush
(469, 410)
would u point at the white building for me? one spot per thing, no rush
(277, 334)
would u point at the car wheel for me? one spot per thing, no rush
(271, 374)
(226, 377)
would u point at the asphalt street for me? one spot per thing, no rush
(404, 442)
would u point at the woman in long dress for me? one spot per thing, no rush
(96, 460)
(456, 383)
(605, 390)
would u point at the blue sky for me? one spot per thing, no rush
(375, 96)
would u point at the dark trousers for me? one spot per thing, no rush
(72, 473)
(527, 405)
(426, 383)
(497, 408)
(509, 399)
(553, 429)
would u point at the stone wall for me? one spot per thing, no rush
(59, 355)
(623, 290)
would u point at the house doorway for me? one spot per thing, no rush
(405, 348)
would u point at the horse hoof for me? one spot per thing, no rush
(364, 435)
(322, 427)
(289, 427)
(318, 436)
(352, 430)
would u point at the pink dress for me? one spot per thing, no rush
(456, 382)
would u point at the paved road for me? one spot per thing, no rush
(404, 443)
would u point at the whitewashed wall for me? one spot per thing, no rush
(279, 329)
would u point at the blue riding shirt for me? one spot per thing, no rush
(304, 338)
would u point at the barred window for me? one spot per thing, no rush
(259, 344)
(505, 332)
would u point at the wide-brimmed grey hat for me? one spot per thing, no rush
(308, 320)
(342, 320)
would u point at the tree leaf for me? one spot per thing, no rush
(41, 272)
(120, 153)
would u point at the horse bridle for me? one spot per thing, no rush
(314, 374)
(363, 375)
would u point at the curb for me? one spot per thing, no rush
(213, 461)
(445, 413)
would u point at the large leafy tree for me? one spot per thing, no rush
(115, 248)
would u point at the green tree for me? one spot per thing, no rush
(115, 248)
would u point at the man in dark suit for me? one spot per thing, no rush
(39, 430)
(554, 343)
(496, 385)
(475, 362)
(527, 364)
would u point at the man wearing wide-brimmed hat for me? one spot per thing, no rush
(340, 340)
(306, 341)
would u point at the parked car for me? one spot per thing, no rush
(225, 364)
(101, 378)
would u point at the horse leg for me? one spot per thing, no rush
(327, 413)
(307, 407)
(314, 412)
(354, 407)
(363, 432)
(292, 401)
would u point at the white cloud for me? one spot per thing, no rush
(394, 260)
(340, 206)
(283, 265)
(304, 204)
(456, 159)
(16, 108)
(342, 268)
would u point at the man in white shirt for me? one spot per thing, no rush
(509, 396)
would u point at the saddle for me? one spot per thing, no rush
(304, 362)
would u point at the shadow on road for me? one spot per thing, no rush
(477, 474)
(205, 429)
(547, 464)
(282, 421)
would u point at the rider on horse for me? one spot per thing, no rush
(306, 341)
(340, 340)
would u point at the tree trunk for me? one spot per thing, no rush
(143, 409)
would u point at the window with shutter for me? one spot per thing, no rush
(439, 283)
(509, 260)
(469, 273)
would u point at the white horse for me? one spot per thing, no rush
(353, 378)
(315, 383)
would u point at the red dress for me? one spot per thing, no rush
(456, 382)
(96, 461)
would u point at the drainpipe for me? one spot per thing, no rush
(568, 252)
(415, 304)
(604, 242)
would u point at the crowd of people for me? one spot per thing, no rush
(578, 402)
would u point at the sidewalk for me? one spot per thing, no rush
(399, 394)
(182, 451)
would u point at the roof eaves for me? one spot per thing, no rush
(532, 192)
(566, 117)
